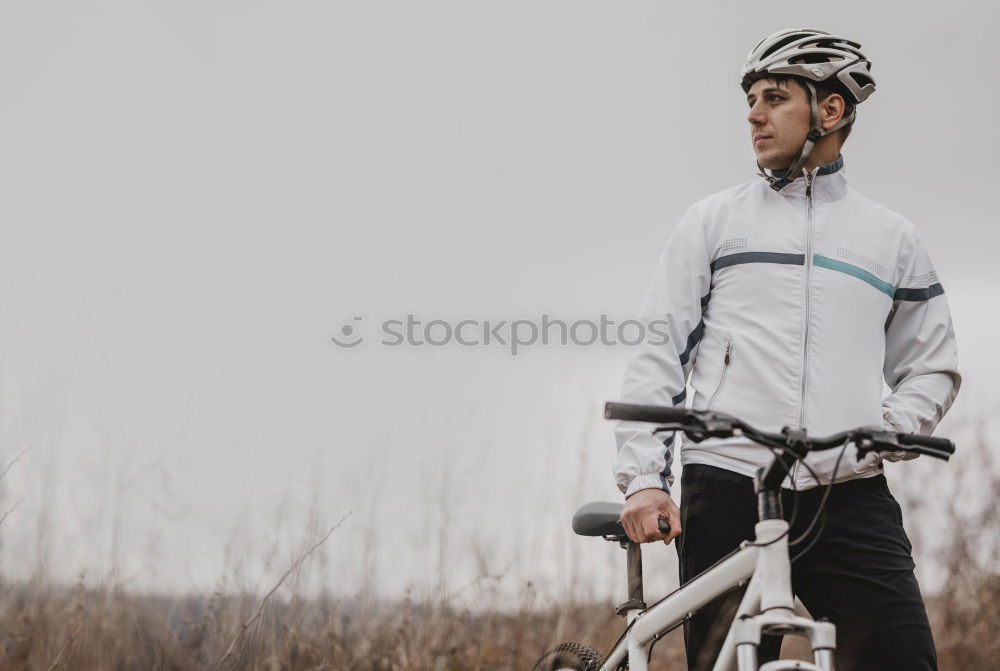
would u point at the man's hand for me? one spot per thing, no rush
(642, 514)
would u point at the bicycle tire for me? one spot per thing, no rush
(570, 657)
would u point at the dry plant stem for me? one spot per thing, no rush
(72, 637)
(263, 602)
(14, 461)
(2, 519)
(4, 473)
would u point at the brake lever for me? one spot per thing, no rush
(879, 440)
(718, 427)
(867, 437)
(709, 425)
(695, 433)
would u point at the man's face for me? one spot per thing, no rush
(779, 120)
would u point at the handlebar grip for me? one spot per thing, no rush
(644, 413)
(940, 444)
(664, 527)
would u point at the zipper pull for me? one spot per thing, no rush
(729, 350)
(809, 185)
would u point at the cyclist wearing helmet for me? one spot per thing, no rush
(789, 300)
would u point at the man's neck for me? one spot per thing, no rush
(825, 151)
(812, 164)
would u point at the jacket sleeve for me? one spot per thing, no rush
(657, 371)
(921, 356)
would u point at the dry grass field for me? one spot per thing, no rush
(115, 631)
(44, 626)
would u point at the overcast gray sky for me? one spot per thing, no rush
(197, 195)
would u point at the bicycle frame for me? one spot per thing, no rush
(767, 607)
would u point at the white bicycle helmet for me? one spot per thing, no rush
(811, 56)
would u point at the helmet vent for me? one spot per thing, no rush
(781, 44)
(815, 58)
(860, 79)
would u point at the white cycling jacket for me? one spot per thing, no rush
(777, 341)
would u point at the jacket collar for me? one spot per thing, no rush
(829, 183)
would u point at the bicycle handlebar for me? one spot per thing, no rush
(644, 413)
(917, 439)
(701, 424)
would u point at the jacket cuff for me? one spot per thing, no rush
(892, 422)
(649, 481)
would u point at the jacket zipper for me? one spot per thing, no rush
(808, 290)
(805, 338)
(725, 367)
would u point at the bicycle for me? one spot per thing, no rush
(762, 564)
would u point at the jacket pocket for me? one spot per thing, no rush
(726, 361)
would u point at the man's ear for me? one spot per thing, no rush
(831, 110)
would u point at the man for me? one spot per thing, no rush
(789, 300)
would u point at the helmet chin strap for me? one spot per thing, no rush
(812, 137)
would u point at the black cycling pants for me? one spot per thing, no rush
(858, 574)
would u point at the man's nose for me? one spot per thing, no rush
(756, 115)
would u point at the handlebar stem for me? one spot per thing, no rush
(769, 505)
(796, 447)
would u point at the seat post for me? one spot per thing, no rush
(633, 558)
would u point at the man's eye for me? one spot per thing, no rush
(770, 98)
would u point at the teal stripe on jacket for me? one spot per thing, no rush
(860, 273)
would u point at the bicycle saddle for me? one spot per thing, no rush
(599, 518)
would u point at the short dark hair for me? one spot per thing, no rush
(823, 89)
